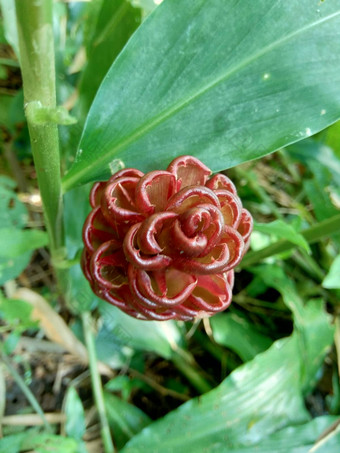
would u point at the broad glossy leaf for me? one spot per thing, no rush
(116, 22)
(224, 80)
(299, 439)
(108, 26)
(159, 337)
(125, 420)
(253, 402)
(147, 6)
(237, 333)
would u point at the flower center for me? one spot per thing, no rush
(197, 230)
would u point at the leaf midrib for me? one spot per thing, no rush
(154, 122)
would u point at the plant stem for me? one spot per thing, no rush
(34, 21)
(25, 390)
(313, 234)
(96, 383)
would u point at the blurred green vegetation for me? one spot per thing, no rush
(263, 376)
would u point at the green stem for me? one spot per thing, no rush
(34, 20)
(25, 390)
(96, 383)
(312, 234)
(9, 62)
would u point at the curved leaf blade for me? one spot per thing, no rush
(223, 80)
(251, 404)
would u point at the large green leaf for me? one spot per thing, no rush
(15, 242)
(125, 420)
(310, 352)
(256, 400)
(159, 337)
(224, 80)
(236, 332)
(300, 439)
(116, 22)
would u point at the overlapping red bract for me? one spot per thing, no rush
(163, 245)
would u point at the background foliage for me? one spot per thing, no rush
(229, 82)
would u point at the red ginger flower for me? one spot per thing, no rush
(164, 245)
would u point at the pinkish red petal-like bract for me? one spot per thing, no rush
(164, 245)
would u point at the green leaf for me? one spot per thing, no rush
(39, 442)
(283, 230)
(10, 24)
(310, 353)
(118, 355)
(16, 312)
(75, 416)
(321, 188)
(317, 155)
(253, 402)
(299, 439)
(332, 279)
(319, 197)
(116, 22)
(159, 337)
(14, 242)
(79, 294)
(14, 215)
(234, 331)
(147, 6)
(13, 211)
(333, 136)
(206, 80)
(125, 385)
(124, 419)
(10, 268)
